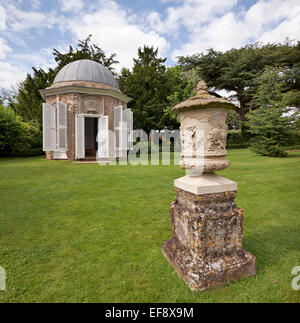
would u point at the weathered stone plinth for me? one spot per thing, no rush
(206, 246)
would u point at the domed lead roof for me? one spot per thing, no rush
(86, 70)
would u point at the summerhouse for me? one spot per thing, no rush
(85, 115)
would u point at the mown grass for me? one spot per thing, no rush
(89, 233)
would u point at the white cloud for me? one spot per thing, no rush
(116, 31)
(14, 67)
(288, 28)
(71, 5)
(35, 4)
(189, 14)
(10, 75)
(19, 20)
(266, 21)
(4, 48)
(2, 19)
(43, 59)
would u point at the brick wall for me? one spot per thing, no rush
(76, 103)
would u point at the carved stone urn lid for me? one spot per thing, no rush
(203, 100)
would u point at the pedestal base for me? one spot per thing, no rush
(206, 273)
(206, 246)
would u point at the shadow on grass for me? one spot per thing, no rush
(273, 243)
(291, 155)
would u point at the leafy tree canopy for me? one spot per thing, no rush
(151, 86)
(272, 124)
(237, 69)
(182, 86)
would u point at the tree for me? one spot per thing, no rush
(271, 124)
(235, 70)
(84, 50)
(147, 85)
(181, 87)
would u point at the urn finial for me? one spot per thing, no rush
(202, 85)
(202, 89)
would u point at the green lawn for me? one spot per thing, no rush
(90, 233)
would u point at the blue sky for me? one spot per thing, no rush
(30, 29)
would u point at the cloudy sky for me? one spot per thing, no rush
(30, 29)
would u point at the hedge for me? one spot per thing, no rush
(28, 153)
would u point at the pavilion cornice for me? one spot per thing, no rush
(84, 90)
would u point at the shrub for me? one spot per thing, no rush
(30, 137)
(15, 135)
(10, 130)
(237, 146)
(29, 153)
(234, 137)
(235, 140)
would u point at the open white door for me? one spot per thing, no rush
(49, 127)
(62, 141)
(103, 138)
(79, 135)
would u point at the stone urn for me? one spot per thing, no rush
(203, 131)
(206, 246)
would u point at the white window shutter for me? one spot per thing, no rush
(80, 138)
(53, 128)
(117, 129)
(123, 137)
(49, 127)
(129, 120)
(62, 140)
(103, 138)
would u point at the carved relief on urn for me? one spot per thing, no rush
(203, 131)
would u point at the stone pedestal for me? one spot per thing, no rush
(206, 246)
